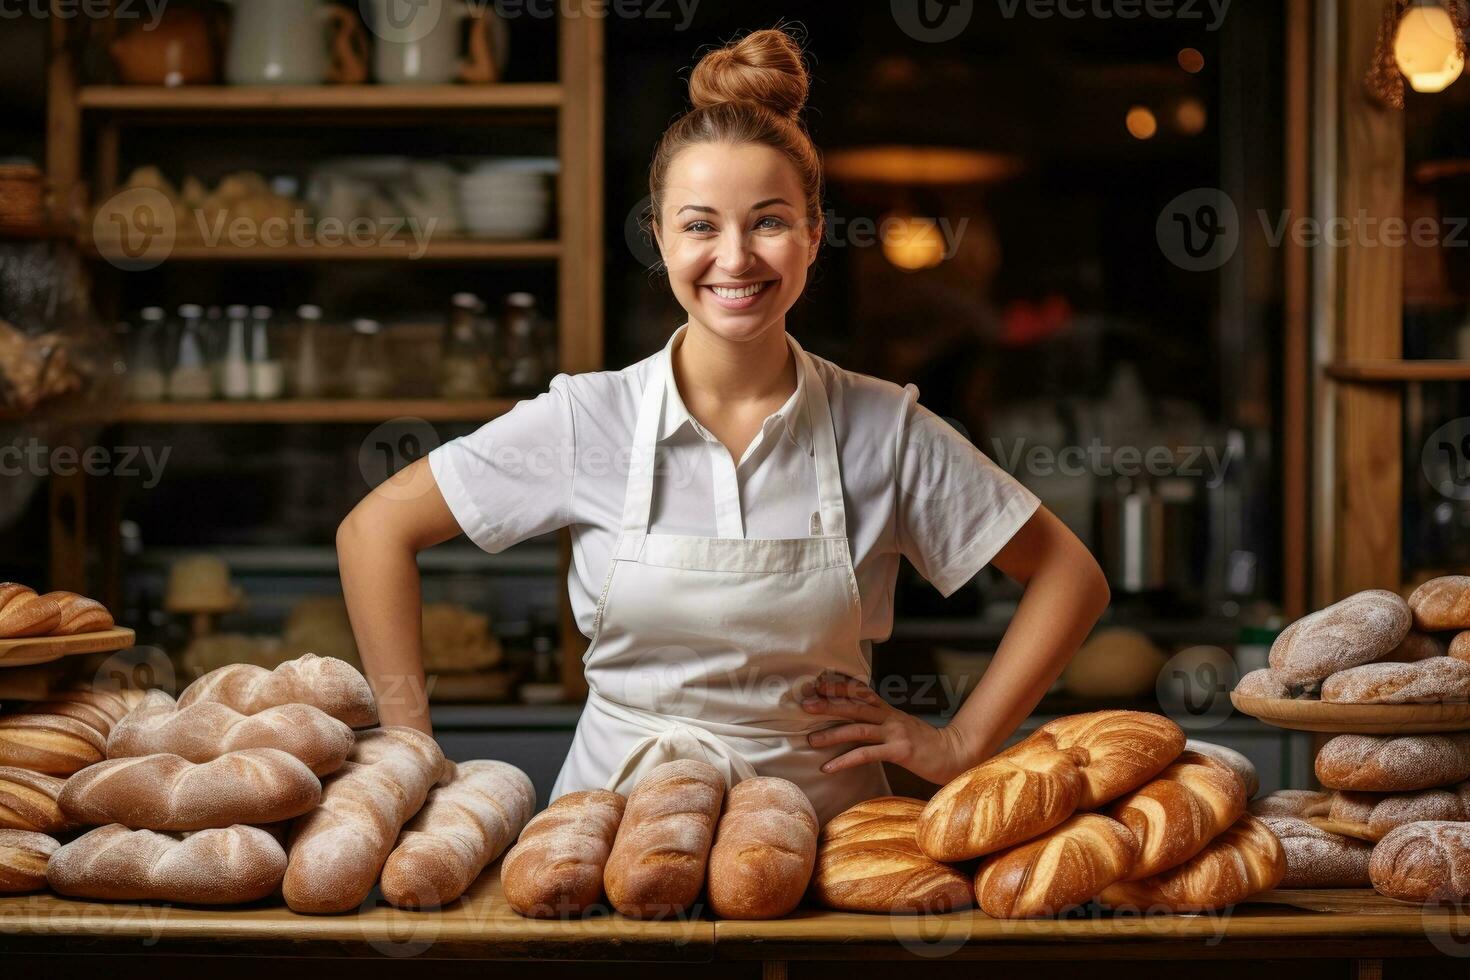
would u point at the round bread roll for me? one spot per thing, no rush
(1359, 629)
(1115, 662)
(1428, 861)
(1316, 858)
(1442, 604)
(1393, 763)
(1059, 870)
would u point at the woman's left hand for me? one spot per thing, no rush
(886, 733)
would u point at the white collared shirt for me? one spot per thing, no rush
(913, 485)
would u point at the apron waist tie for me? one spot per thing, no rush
(671, 740)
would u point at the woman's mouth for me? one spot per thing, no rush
(739, 296)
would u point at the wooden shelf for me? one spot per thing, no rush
(323, 410)
(155, 100)
(1399, 371)
(437, 249)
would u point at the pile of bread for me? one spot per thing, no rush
(23, 613)
(1375, 648)
(1107, 805)
(252, 782)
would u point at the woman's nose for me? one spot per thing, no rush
(734, 255)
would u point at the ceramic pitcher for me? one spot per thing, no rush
(287, 42)
(417, 42)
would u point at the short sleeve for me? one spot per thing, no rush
(511, 479)
(956, 507)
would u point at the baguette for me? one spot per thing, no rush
(1059, 870)
(1421, 682)
(339, 848)
(332, 685)
(1116, 751)
(869, 861)
(556, 867)
(1423, 862)
(764, 851)
(223, 866)
(1246, 859)
(65, 733)
(1371, 816)
(23, 857)
(1393, 764)
(468, 820)
(28, 801)
(1442, 604)
(79, 614)
(206, 730)
(1363, 627)
(167, 792)
(658, 860)
(1317, 858)
(1176, 815)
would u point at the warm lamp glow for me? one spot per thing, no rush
(912, 243)
(1190, 117)
(1191, 60)
(920, 165)
(1425, 48)
(1141, 123)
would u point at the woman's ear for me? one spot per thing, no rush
(819, 228)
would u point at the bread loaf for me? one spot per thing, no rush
(467, 821)
(556, 868)
(1393, 764)
(1116, 751)
(658, 860)
(167, 792)
(868, 861)
(26, 614)
(1174, 816)
(764, 851)
(339, 848)
(1292, 803)
(1422, 682)
(1416, 646)
(28, 801)
(223, 866)
(1263, 683)
(1316, 858)
(1359, 629)
(23, 857)
(65, 733)
(1427, 861)
(327, 683)
(1460, 646)
(1246, 859)
(1371, 816)
(206, 730)
(1061, 869)
(1442, 604)
(1231, 759)
(79, 614)
(1007, 799)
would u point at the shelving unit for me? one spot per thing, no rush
(1399, 371)
(104, 116)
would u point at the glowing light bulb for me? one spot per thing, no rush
(1141, 123)
(912, 243)
(1425, 47)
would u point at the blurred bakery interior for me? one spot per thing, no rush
(1088, 241)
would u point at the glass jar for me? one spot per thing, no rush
(308, 380)
(369, 370)
(147, 380)
(234, 366)
(190, 378)
(525, 335)
(267, 373)
(464, 365)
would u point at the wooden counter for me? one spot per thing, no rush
(1336, 924)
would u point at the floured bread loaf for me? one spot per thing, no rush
(1359, 629)
(332, 685)
(1057, 871)
(1460, 646)
(1416, 646)
(1442, 604)
(1393, 763)
(555, 869)
(1292, 803)
(1422, 682)
(224, 866)
(1316, 858)
(868, 861)
(764, 851)
(1428, 861)
(1263, 683)
(658, 860)
(1370, 816)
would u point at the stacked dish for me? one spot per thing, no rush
(508, 197)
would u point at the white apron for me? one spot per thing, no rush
(700, 646)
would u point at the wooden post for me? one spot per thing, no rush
(1296, 371)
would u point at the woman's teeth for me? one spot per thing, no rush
(744, 291)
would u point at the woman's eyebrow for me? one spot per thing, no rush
(694, 207)
(755, 207)
(769, 201)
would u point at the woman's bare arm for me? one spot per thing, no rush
(377, 548)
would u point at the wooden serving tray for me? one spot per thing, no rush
(42, 649)
(1363, 719)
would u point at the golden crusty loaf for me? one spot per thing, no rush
(1371, 816)
(332, 685)
(339, 848)
(23, 858)
(223, 866)
(1442, 604)
(28, 801)
(168, 792)
(1005, 800)
(1061, 869)
(1317, 858)
(1247, 858)
(555, 869)
(1393, 763)
(869, 861)
(1363, 627)
(79, 614)
(659, 857)
(64, 733)
(1428, 861)
(1421, 682)
(1176, 814)
(1292, 803)
(206, 730)
(468, 820)
(764, 851)
(1231, 759)
(1116, 751)
(23, 613)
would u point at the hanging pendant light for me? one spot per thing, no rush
(1428, 48)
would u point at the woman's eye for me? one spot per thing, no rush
(699, 227)
(770, 222)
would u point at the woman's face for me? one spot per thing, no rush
(734, 236)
